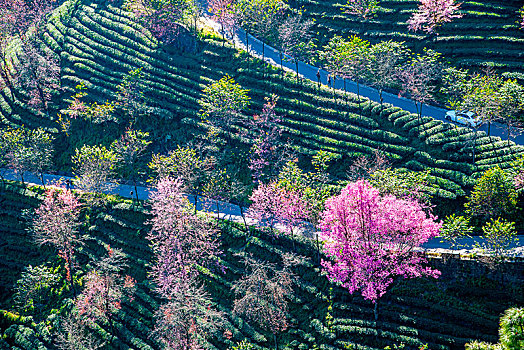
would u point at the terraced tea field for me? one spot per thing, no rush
(99, 43)
(443, 314)
(487, 35)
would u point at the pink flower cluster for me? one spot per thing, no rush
(372, 239)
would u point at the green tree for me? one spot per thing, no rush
(511, 329)
(498, 236)
(494, 195)
(94, 168)
(130, 97)
(222, 102)
(455, 228)
(129, 151)
(511, 105)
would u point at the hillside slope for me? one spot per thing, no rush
(99, 43)
(443, 314)
(487, 35)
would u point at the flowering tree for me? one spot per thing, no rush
(163, 19)
(295, 39)
(105, 288)
(73, 334)
(371, 239)
(432, 14)
(224, 13)
(364, 9)
(129, 150)
(94, 168)
(521, 17)
(267, 152)
(188, 317)
(181, 240)
(266, 206)
(263, 295)
(56, 223)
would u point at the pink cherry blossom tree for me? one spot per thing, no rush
(105, 288)
(371, 239)
(56, 223)
(181, 240)
(433, 13)
(364, 9)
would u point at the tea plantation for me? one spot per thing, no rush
(487, 35)
(444, 313)
(99, 43)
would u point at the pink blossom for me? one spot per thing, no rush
(371, 239)
(433, 13)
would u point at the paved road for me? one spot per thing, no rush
(272, 56)
(228, 211)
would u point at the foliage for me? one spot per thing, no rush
(411, 185)
(364, 9)
(34, 287)
(223, 101)
(433, 13)
(56, 223)
(498, 236)
(494, 195)
(94, 167)
(456, 228)
(511, 329)
(262, 295)
(295, 38)
(129, 151)
(371, 238)
(26, 150)
(130, 97)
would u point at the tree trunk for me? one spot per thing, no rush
(243, 217)
(375, 311)
(218, 210)
(345, 92)
(42, 179)
(136, 191)
(276, 344)
(281, 66)
(71, 274)
(489, 128)
(223, 35)
(296, 65)
(196, 201)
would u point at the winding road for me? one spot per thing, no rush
(232, 212)
(255, 47)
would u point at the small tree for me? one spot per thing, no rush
(94, 168)
(499, 235)
(511, 107)
(433, 13)
(410, 185)
(130, 97)
(371, 239)
(456, 228)
(266, 206)
(181, 240)
(295, 39)
(105, 288)
(363, 9)
(73, 334)
(223, 102)
(188, 318)
(419, 78)
(55, 223)
(34, 288)
(263, 295)
(268, 152)
(494, 195)
(385, 59)
(129, 151)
